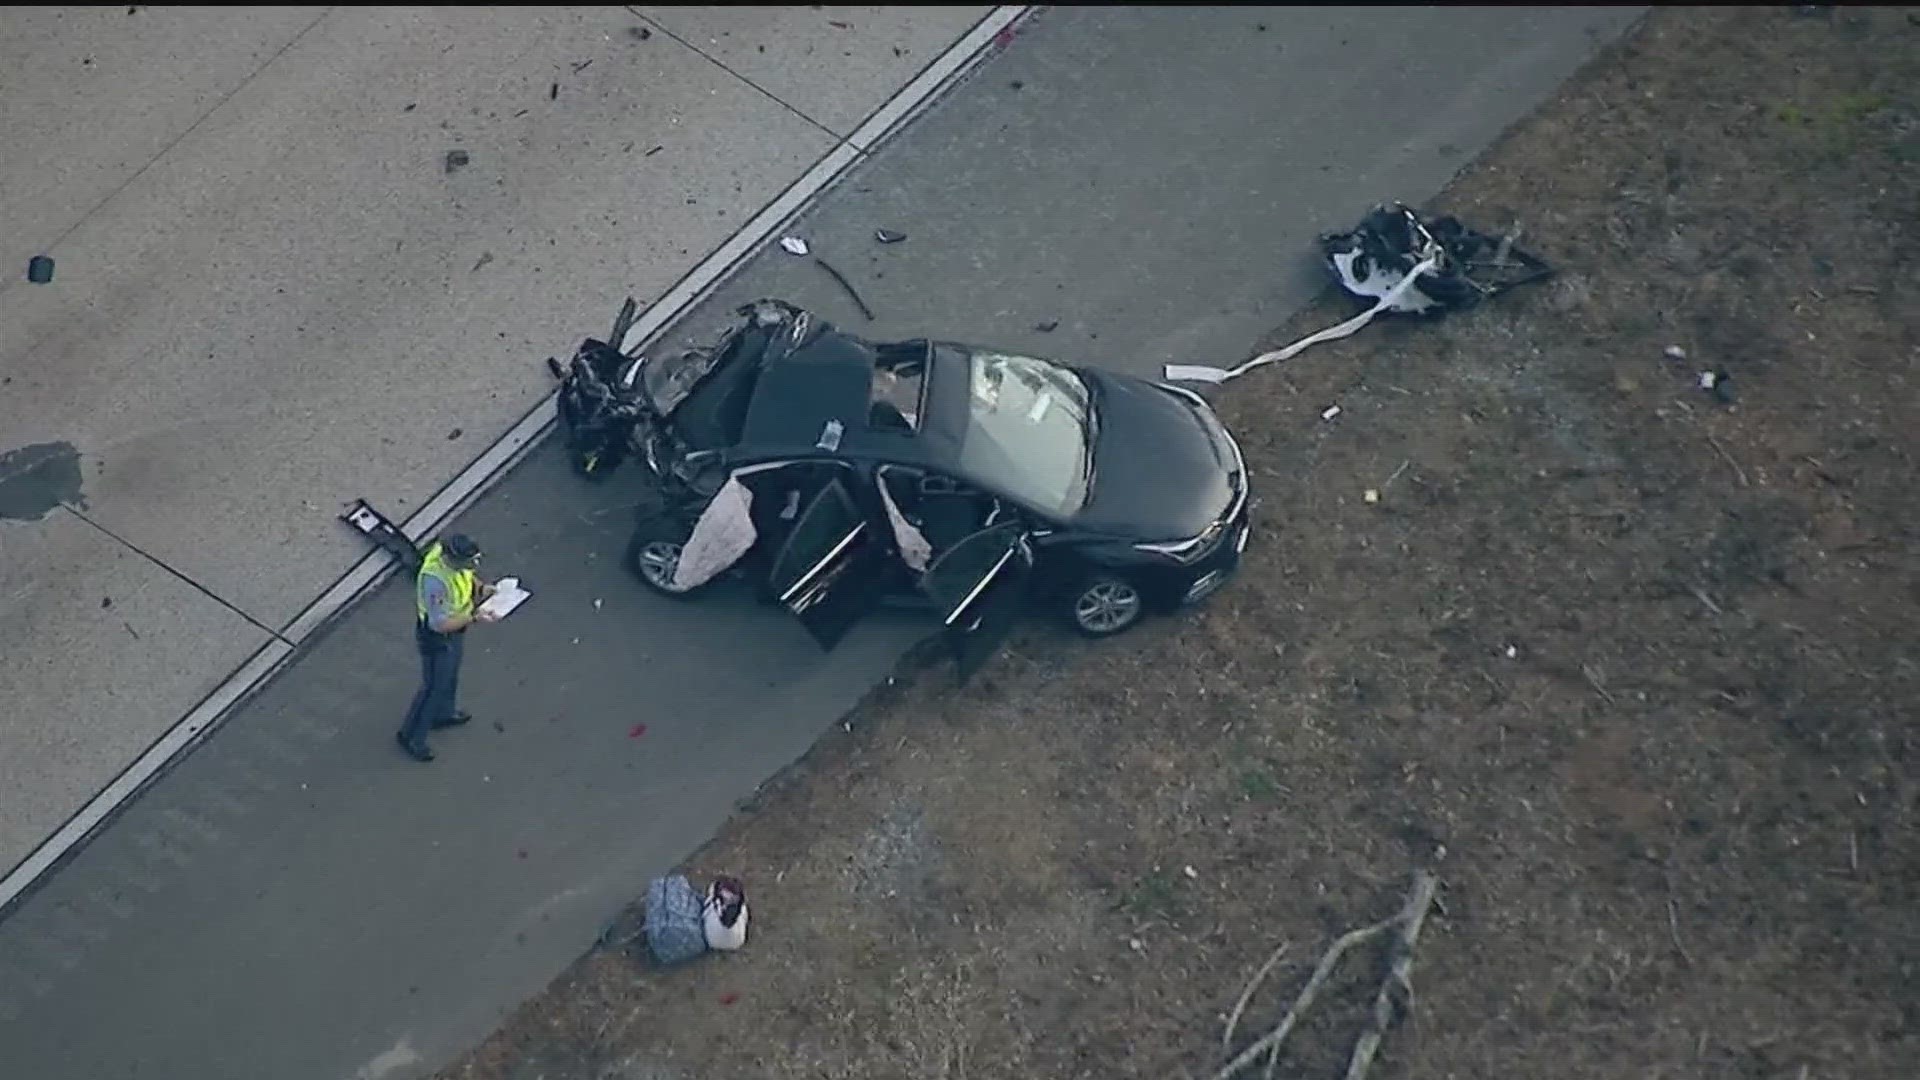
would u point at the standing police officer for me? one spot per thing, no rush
(447, 599)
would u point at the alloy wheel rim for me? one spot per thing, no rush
(658, 560)
(1107, 606)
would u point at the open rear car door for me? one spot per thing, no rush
(979, 585)
(828, 573)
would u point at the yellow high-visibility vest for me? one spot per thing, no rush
(459, 583)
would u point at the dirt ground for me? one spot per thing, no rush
(1630, 666)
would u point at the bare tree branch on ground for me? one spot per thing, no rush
(1396, 989)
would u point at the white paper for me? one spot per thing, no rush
(1196, 373)
(507, 595)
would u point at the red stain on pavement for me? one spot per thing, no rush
(729, 998)
(1004, 38)
(638, 730)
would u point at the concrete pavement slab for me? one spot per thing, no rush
(68, 724)
(233, 923)
(831, 64)
(90, 95)
(301, 303)
(1029, 200)
(297, 853)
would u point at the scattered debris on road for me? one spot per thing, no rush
(681, 924)
(384, 534)
(888, 236)
(794, 245)
(40, 269)
(1048, 327)
(847, 285)
(1406, 266)
(457, 160)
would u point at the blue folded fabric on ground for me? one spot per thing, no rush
(675, 928)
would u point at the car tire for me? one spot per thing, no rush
(1103, 605)
(652, 553)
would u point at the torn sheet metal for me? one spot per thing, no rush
(1374, 257)
(723, 534)
(1402, 265)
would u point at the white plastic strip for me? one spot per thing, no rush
(1199, 373)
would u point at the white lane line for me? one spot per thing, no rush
(947, 69)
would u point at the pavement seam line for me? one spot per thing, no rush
(162, 564)
(945, 72)
(704, 55)
(178, 139)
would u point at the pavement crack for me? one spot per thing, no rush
(162, 564)
(178, 139)
(717, 62)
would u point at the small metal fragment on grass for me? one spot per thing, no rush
(1675, 352)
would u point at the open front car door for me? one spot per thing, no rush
(979, 585)
(828, 574)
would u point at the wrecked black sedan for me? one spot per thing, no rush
(840, 471)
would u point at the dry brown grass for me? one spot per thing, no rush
(1680, 822)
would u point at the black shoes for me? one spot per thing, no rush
(418, 751)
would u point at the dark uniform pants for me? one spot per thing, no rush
(439, 681)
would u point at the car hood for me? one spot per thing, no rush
(1160, 471)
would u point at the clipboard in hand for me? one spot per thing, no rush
(507, 595)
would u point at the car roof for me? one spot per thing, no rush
(829, 378)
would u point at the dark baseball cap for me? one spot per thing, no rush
(460, 547)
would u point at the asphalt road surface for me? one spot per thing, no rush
(296, 900)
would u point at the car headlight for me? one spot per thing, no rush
(1185, 551)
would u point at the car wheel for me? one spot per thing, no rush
(654, 553)
(1106, 604)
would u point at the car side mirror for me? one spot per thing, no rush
(703, 471)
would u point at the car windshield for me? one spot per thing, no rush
(1028, 433)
